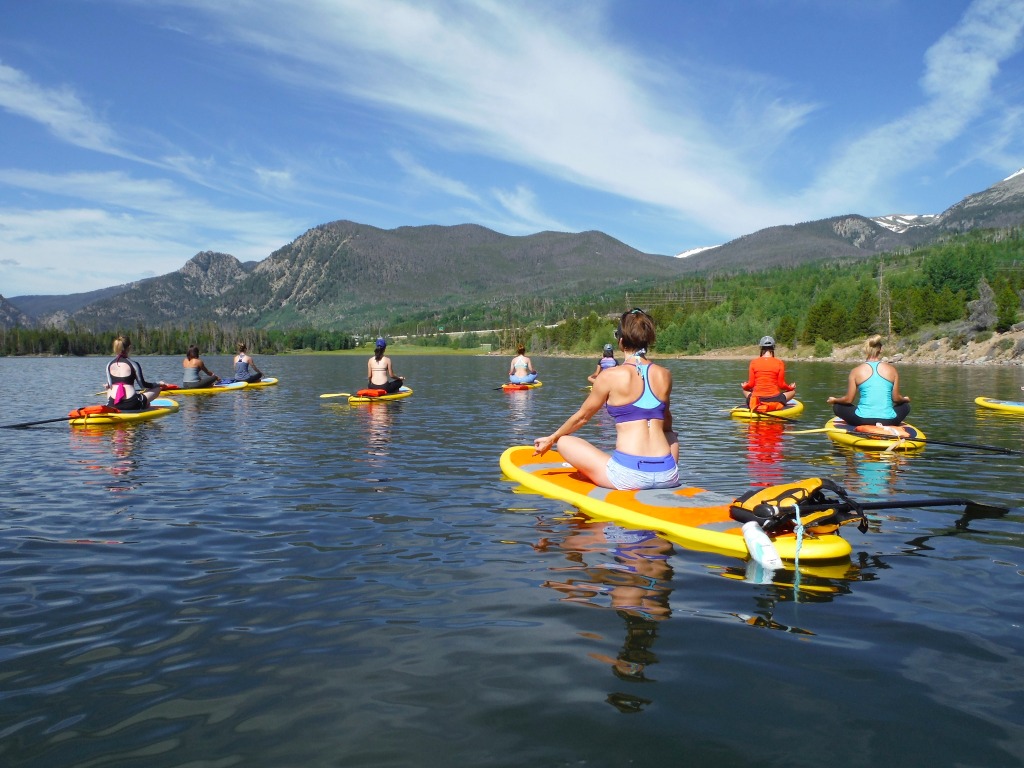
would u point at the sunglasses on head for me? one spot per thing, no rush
(633, 311)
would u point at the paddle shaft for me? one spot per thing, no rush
(33, 423)
(978, 446)
(336, 394)
(901, 503)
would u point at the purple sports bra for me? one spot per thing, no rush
(645, 407)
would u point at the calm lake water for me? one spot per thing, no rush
(270, 579)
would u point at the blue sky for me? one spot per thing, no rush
(136, 133)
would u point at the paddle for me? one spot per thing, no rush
(977, 446)
(33, 423)
(78, 413)
(336, 394)
(898, 503)
(771, 415)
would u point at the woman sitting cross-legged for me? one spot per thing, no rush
(636, 395)
(876, 385)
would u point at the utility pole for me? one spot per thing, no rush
(884, 305)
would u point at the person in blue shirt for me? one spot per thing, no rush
(245, 366)
(875, 385)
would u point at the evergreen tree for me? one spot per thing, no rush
(785, 331)
(1007, 303)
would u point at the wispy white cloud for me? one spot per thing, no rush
(117, 228)
(957, 82)
(521, 203)
(59, 109)
(432, 180)
(546, 89)
(525, 84)
(275, 180)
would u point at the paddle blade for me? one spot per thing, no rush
(336, 394)
(974, 509)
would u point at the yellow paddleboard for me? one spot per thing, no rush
(269, 381)
(876, 438)
(793, 409)
(162, 406)
(1006, 406)
(401, 393)
(510, 387)
(693, 517)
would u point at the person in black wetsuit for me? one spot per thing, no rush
(127, 388)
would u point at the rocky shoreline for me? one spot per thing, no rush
(993, 349)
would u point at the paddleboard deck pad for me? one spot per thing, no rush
(792, 409)
(1006, 406)
(161, 406)
(401, 393)
(693, 517)
(905, 437)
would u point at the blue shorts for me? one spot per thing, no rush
(635, 473)
(528, 378)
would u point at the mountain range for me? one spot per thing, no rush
(855, 236)
(345, 275)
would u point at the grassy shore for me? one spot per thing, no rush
(397, 349)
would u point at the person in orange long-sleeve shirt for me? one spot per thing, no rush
(766, 380)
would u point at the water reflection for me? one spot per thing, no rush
(808, 583)
(636, 584)
(107, 452)
(376, 420)
(874, 473)
(520, 412)
(764, 452)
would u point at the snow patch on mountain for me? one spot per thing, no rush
(901, 222)
(694, 251)
(1018, 173)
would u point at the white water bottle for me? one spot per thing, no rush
(760, 546)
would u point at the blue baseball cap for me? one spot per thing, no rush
(381, 342)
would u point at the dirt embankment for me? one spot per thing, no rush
(993, 349)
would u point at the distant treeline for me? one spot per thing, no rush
(210, 338)
(969, 283)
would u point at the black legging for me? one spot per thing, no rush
(848, 413)
(390, 387)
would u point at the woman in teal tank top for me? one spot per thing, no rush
(876, 385)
